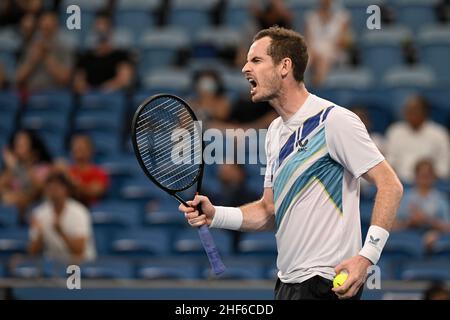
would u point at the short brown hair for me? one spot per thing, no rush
(286, 43)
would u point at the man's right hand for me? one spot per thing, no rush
(192, 214)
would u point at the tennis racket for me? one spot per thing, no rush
(168, 144)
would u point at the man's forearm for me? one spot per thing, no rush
(387, 201)
(257, 217)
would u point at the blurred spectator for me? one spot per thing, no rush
(442, 9)
(327, 32)
(61, 227)
(234, 191)
(210, 101)
(104, 67)
(90, 181)
(46, 63)
(12, 11)
(27, 28)
(423, 207)
(417, 138)
(4, 83)
(273, 12)
(26, 166)
(436, 291)
(377, 138)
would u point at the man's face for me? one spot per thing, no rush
(56, 191)
(414, 113)
(81, 149)
(260, 71)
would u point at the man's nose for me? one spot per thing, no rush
(245, 68)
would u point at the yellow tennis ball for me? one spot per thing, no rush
(340, 279)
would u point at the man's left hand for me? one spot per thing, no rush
(356, 268)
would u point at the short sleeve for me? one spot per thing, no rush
(349, 143)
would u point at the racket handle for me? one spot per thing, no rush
(211, 250)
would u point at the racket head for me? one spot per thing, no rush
(154, 120)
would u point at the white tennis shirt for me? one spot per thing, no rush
(314, 162)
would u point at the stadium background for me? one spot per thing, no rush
(162, 258)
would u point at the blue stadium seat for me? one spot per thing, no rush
(258, 243)
(9, 40)
(219, 37)
(180, 269)
(48, 121)
(300, 10)
(9, 216)
(358, 12)
(136, 15)
(108, 268)
(55, 142)
(418, 76)
(442, 246)
(121, 38)
(192, 15)
(141, 242)
(60, 101)
(29, 268)
(428, 270)
(381, 49)
(168, 80)
(237, 14)
(346, 78)
(9, 104)
(139, 188)
(165, 212)
(235, 83)
(119, 168)
(404, 244)
(188, 242)
(98, 121)
(13, 240)
(105, 143)
(434, 44)
(159, 48)
(116, 213)
(415, 13)
(9, 63)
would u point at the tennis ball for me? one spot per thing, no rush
(340, 279)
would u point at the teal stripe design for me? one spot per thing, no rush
(315, 144)
(328, 172)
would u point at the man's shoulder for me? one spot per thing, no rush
(76, 207)
(275, 124)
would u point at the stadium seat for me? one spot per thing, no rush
(237, 14)
(180, 269)
(141, 242)
(116, 213)
(415, 13)
(9, 40)
(168, 80)
(192, 15)
(165, 212)
(9, 216)
(8, 62)
(159, 48)
(105, 143)
(188, 242)
(219, 37)
(30, 268)
(442, 246)
(418, 76)
(13, 240)
(404, 244)
(103, 101)
(122, 38)
(345, 78)
(235, 83)
(258, 243)
(9, 104)
(358, 12)
(382, 49)
(138, 188)
(428, 270)
(434, 44)
(108, 268)
(135, 15)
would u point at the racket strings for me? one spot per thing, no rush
(169, 143)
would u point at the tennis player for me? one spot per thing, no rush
(317, 152)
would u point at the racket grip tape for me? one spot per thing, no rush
(211, 250)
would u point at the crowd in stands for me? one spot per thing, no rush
(53, 193)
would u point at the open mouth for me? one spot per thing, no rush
(253, 84)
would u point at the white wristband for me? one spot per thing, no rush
(375, 240)
(227, 218)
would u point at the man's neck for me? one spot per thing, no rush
(290, 100)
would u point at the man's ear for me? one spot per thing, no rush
(286, 67)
